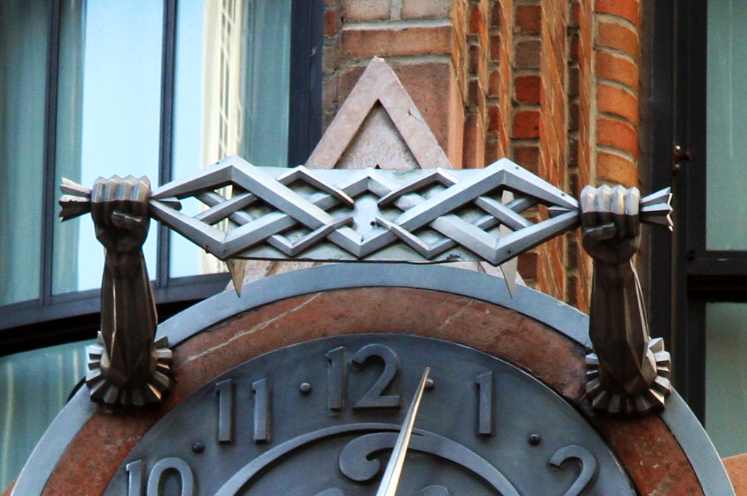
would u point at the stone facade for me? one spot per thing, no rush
(551, 84)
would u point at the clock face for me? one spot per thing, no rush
(321, 418)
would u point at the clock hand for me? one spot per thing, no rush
(390, 480)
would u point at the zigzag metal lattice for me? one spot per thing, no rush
(422, 215)
(425, 215)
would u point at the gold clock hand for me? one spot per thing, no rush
(390, 480)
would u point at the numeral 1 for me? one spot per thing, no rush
(224, 390)
(335, 378)
(134, 478)
(485, 404)
(261, 391)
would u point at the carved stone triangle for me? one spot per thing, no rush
(378, 126)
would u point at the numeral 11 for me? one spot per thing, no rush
(261, 391)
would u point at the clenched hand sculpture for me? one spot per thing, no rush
(628, 371)
(427, 215)
(126, 366)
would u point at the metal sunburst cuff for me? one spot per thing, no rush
(651, 399)
(151, 392)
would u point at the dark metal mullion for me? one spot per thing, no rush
(167, 130)
(50, 153)
(661, 112)
(689, 124)
(305, 112)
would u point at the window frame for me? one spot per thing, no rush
(685, 275)
(55, 319)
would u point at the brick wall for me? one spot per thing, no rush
(551, 84)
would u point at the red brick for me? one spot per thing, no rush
(332, 22)
(495, 120)
(574, 187)
(573, 77)
(575, 15)
(527, 157)
(575, 54)
(617, 68)
(494, 87)
(573, 116)
(573, 152)
(617, 169)
(476, 96)
(393, 41)
(497, 15)
(620, 37)
(526, 125)
(476, 20)
(366, 10)
(527, 265)
(475, 59)
(528, 89)
(528, 18)
(615, 100)
(347, 79)
(432, 9)
(495, 47)
(474, 143)
(627, 9)
(492, 149)
(617, 134)
(528, 54)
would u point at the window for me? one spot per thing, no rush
(699, 276)
(96, 88)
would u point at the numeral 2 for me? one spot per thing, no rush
(374, 397)
(588, 467)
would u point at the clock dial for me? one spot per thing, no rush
(321, 418)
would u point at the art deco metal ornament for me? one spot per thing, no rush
(628, 371)
(430, 216)
(126, 366)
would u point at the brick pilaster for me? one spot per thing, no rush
(551, 84)
(425, 44)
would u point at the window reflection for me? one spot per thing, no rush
(232, 100)
(118, 44)
(726, 376)
(726, 126)
(23, 70)
(34, 386)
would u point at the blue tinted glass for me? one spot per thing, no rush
(119, 45)
(24, 32)
(34, 386)
(727, 128)
(232, 97)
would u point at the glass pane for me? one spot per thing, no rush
(727, 128)
(726, 376)
(24, 33)
(232, 96)
(118, 44)
(34, 386)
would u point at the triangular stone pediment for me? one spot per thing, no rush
(378, 126)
